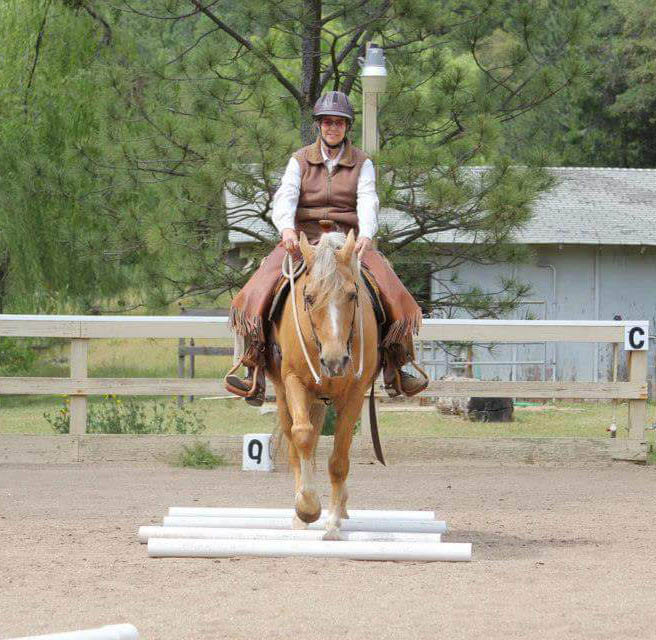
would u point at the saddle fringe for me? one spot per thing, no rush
(246, 325)
(402, 330)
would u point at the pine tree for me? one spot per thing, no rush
(606, 119)
(204, 103)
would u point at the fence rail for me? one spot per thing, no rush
(81, 329)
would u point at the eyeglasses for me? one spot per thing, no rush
(337, 124)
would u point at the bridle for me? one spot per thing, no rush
(315, 337)
(289, 274)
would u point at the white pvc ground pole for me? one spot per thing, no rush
(110, 632)
(256, 452)
(208, 533)
(252, 512)
(350, 524)
(412, 551)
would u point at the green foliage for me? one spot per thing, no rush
(123, 133)
(56, 223)
(328, 428)
(607, 118)
(129, 416)
(199, 456)
(16, 356)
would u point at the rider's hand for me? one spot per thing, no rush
(363, 244)
(289, 240)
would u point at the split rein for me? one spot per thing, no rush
(288, 272)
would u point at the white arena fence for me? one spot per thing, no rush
(82, 329)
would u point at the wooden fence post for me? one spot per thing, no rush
(192, 363)
(181, 366)
(79, 369)
(637, 408)
(635, 446)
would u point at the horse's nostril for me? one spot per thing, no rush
(322, 361)
(345, 360)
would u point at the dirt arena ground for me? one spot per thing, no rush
(558, 553)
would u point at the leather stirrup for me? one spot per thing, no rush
(422, 386)
(240, 391)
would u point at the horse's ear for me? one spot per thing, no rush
(307, 250)
(346, 252)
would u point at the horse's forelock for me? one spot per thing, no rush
(324, 267)
(335, 239)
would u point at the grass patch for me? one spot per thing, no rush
(132, 358)
(651, 451)
(24, 414)
(578, 419)
(199, 456)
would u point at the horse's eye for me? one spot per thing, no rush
(353, 296)
(309, 300)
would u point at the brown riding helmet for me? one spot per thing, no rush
(333, 103)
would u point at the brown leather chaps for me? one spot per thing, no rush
(250, 307)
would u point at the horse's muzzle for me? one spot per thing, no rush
(334, 367)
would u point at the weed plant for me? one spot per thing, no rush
(200, 456)
(118, 416)
(328, 428)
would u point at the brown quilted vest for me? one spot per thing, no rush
(324, 196)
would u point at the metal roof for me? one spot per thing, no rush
(588, 206)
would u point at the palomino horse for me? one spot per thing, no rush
(331, 301)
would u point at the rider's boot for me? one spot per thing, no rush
(397, 381)
(253, 386)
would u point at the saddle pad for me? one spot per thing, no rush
(374, 294)
(282, 288)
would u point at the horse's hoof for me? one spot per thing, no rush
(333, 534)
(308, 507)
(308, 517)
(298, 523)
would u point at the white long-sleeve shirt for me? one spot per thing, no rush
(285, 200)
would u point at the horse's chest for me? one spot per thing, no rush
(330, 388)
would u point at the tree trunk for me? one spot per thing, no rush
(308, 132)
(4, 277)
(311, 55)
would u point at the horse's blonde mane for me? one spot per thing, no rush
(324, 270)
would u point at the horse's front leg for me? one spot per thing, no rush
(286, 426)
(304, 438)
(348, 411)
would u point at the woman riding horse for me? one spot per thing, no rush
(329, 185)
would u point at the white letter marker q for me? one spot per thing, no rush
(257, 452)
